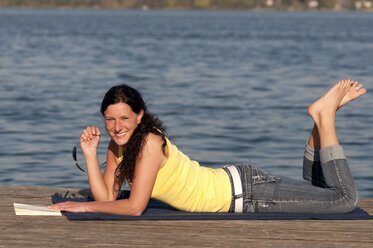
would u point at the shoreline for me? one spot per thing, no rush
(176, 10)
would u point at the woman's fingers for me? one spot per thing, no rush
(69, 206)
(95, 131)
(89, 133)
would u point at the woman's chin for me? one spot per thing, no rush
(119, 141)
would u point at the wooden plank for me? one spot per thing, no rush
(51, 231)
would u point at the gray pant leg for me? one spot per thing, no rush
(312, 166)
(338, 176)
(294, 196)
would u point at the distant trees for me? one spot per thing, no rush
(327, 4)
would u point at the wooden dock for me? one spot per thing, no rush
(57, 231)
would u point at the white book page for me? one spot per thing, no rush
(37, 210)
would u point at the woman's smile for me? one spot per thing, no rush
(120, 135)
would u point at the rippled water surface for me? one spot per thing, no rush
(231, 87)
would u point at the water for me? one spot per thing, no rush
(231, 87)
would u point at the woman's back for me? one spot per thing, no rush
(186, 185)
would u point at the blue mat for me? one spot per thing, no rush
(159, 211)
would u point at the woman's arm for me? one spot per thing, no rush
(101, 186)
(112, 163)
(151, 160)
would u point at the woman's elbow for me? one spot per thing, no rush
(136, 209)
(135, 214)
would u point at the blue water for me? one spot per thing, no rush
(231, 87)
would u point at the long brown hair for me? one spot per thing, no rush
(149, 124)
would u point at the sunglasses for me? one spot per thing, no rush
(75, 157)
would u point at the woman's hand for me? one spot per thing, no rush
(70, 206)
(90, 139)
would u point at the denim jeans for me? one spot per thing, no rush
(327, 186)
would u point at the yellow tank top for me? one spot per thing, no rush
(185, 185)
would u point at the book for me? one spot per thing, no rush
(36, 210)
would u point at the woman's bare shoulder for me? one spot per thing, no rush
(154, 147)
(154, 140)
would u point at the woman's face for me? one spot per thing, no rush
(121, 122)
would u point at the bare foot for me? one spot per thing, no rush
(356, 90)
(328, 104)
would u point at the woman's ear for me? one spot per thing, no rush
(139, 116)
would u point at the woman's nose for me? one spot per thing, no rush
(117, 127)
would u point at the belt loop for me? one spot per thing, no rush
(237, 186)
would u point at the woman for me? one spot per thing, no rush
(140, 153)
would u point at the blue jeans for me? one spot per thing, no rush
(328, 186)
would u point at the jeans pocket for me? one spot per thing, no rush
(260, 176)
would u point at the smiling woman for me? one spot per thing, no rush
(128, 123)
(140, 153)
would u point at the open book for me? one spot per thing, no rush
(25, 209)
